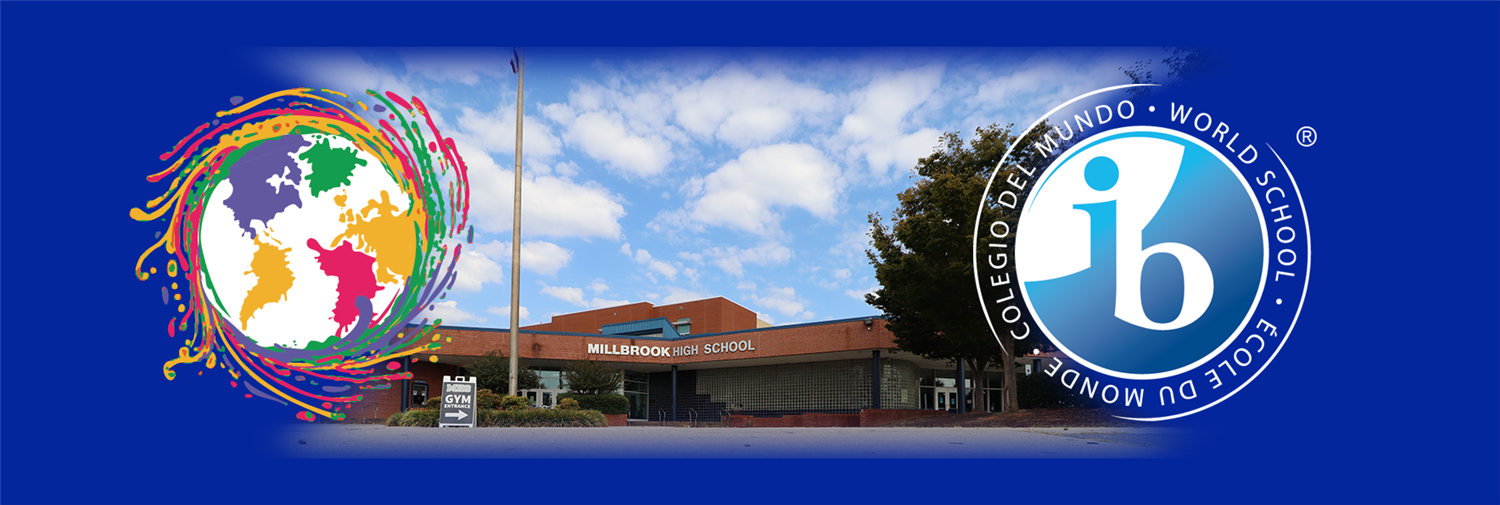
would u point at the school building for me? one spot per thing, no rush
(705, 360)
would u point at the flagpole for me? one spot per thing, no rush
(515, 232)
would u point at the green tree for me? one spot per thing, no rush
(924, 260)
(592, 378)
(493, 371)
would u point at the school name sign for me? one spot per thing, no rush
(672, 351)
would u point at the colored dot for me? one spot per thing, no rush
(181, 308)
(1101, 173)
(172, 268)
(177, 296)
(1278, 301)
(247, 395)
(153, 270)
(1151, 108)
(432, 359)
(450, 339)
(174, 285)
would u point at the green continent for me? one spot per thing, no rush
(331, 167)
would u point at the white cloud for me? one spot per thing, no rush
(732, 259)
(859, 294)
(449, 312)
(841, 274)
(655, 265)
(550, 205)
(505, 313)
(598, 286)
(740, 108)
(475, 268)
(878, 129)
(575, 297)
(675, 295)
(495, 132)
(606, 135)
(542, 257)
(746, 193)
(457, 65)
(570, 295)
(782, 300)
(601, 303)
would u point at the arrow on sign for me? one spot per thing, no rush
(460, 415)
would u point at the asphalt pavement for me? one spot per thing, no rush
(372, 441)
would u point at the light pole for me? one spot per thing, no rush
(518, 65)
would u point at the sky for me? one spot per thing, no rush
(668, 175)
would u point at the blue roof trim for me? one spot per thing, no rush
(642, 328)
(664, 339)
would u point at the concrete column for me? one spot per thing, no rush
(875, 379)
(962, 391)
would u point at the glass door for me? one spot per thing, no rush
(947, 398)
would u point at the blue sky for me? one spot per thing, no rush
(666, 175)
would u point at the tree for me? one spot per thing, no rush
(493, 371)
(924, 260)
(592, 378)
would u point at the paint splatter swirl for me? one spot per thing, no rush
(305, 231)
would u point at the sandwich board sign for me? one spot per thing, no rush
(460, 398)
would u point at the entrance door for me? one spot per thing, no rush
(947, 398)
(543, 398)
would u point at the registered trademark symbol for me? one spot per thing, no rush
(1307, 136)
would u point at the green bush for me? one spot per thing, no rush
(395, 419)
(605, 403)
(420, 418)
(536, 418)
(567, 404)
(433, 403)
(1038, 391)
(488, 399)
(514, 403)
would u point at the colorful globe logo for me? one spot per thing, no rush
(305, 231)
(298, 231)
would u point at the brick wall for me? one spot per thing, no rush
(877, 417)
(795, 421)
(767, 342)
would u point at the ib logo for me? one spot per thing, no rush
(1153, 251)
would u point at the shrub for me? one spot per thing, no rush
(420, 417)
(592, 378)
(536, 418)
(514, 403)
(605, 403)
(1038, 391)
(567, 404)
(433, 403)
(395, 419)
(488, 399)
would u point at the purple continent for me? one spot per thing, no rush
(254, 197)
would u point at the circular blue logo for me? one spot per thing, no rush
(1164, 254)
(1141, 252)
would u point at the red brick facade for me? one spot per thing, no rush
(713, 315)
(847, 335)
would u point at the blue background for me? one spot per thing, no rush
(1385, 393)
